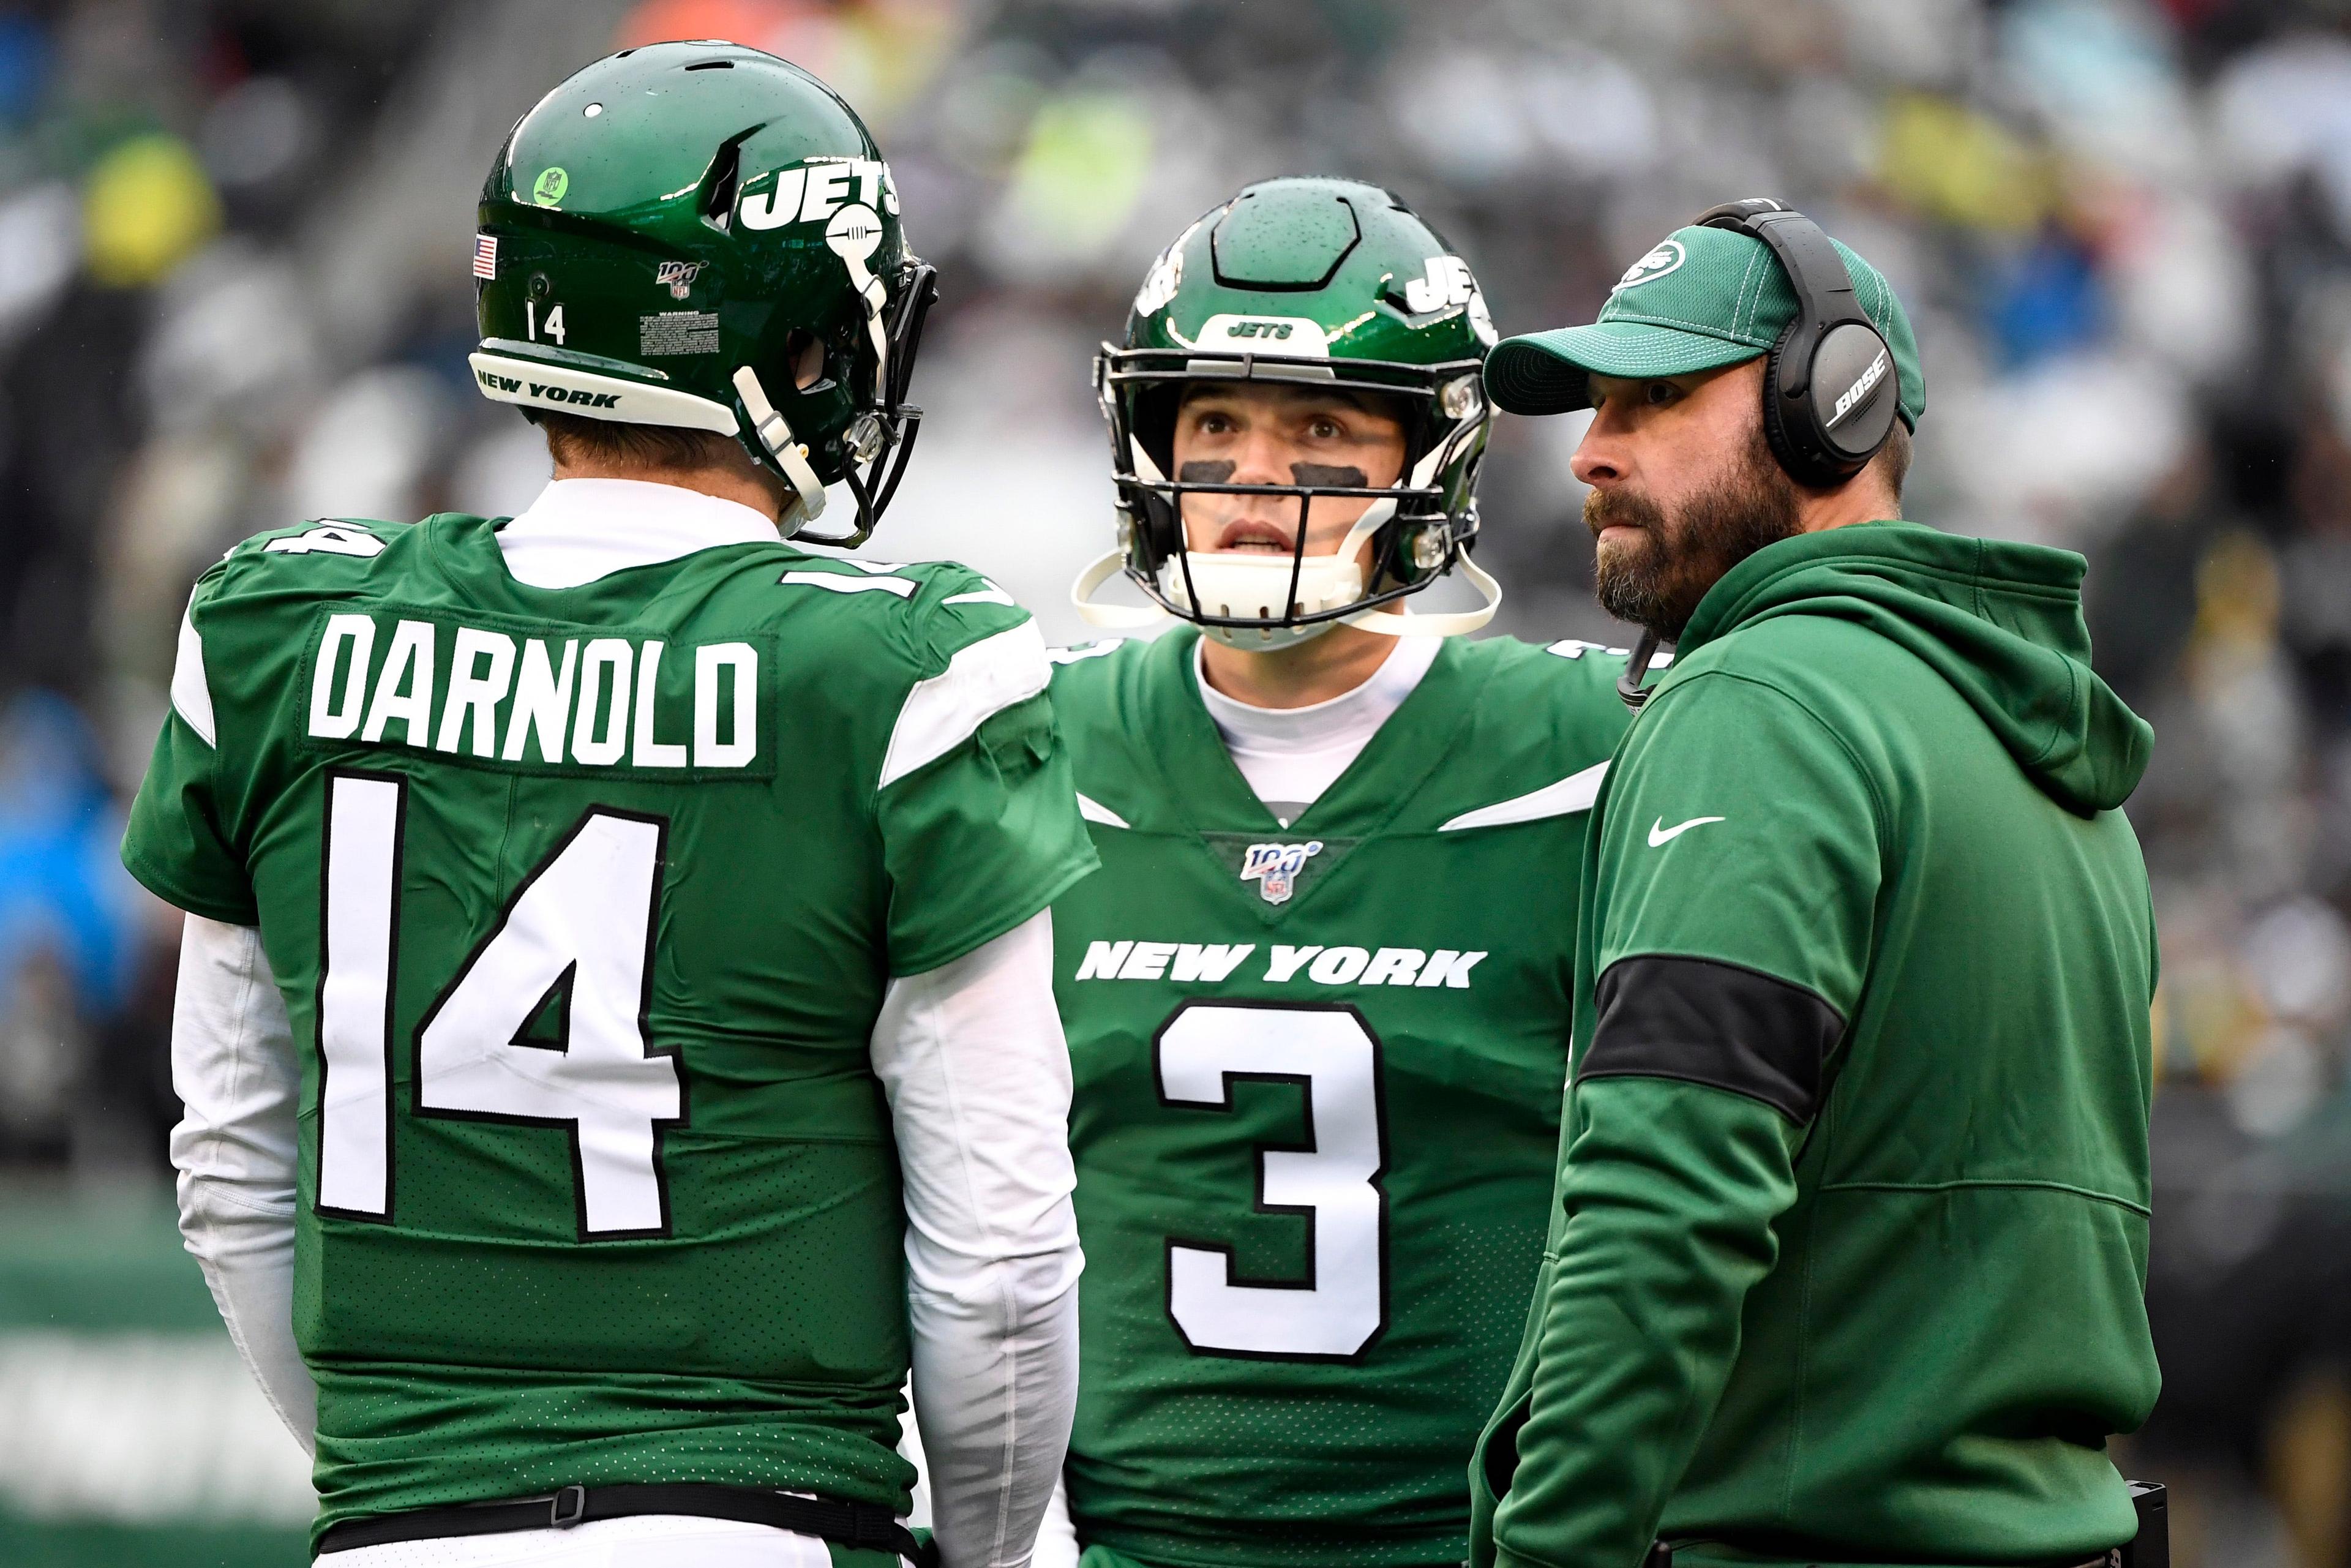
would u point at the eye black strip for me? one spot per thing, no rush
(1336, 476)
(1202, 471)
(1716, 1024)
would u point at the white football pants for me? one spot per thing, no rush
(648, 1541)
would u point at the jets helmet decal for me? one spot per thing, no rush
(1327, 283)
(703, 235)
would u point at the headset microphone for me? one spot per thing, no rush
(1628, 685)
(1830, 391)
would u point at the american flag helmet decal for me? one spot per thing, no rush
(485, 258)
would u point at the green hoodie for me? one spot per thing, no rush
(1848, 1259)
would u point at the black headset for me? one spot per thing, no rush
(1831, 391)
(1826, 380)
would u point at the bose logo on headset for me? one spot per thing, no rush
(1854, 394)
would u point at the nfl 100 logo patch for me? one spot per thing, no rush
(678, 275)
(1275, 867)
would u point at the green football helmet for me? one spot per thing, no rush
(1325, 282)
(672, 233)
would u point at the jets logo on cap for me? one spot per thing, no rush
(1652, 266)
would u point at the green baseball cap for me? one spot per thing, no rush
(1703, 298)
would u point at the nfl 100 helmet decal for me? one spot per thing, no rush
(705, 237)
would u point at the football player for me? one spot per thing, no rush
(1318, 998)
(615, 1018)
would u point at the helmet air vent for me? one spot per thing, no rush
(719, 181)
(712, 65)
(1283, 244)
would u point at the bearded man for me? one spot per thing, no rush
(1848, 1248)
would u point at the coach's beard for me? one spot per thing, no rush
(1657, 580)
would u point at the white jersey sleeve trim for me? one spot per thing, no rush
(979, 681)
(232, 1067)
(1576, 792)
(1085, 651)
(904, 586)
(191, 695)
(977, 1073)
(1094, 810)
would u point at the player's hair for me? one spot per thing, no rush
(574, 441)
(1893, 459)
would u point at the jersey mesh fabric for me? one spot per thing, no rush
(486, 1337)
(1348, 1444)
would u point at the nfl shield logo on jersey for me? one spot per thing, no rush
(1275, 867)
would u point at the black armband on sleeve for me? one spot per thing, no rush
(1717, 1024)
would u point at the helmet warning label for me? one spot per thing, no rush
(673, 332)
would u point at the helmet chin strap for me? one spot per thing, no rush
(871, 293)
(1117, 617)
(776, 434)
(1110, 617)
(855, 244)
(1442, 623)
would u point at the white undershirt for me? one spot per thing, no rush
(1290, 756)
(971, 1056)
(580, 529)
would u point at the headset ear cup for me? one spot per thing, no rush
(1798, 428)
(1854, 399)
(1836, 338)
(1794, 461)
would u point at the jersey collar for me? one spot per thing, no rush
(582, 529)
(1352, 715)
(1206, 789)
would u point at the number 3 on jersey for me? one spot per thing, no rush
(1333, 1180)
(579, 932)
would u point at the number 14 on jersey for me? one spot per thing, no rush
(578, 934)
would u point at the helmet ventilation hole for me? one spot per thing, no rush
(718, 186)
(712, 65)
(594, 109)
(804, 351)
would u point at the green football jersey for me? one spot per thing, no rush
(583, 903)
(1318, 1075)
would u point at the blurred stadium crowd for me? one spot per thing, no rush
(233, 294)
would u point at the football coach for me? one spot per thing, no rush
(1848, 1250)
